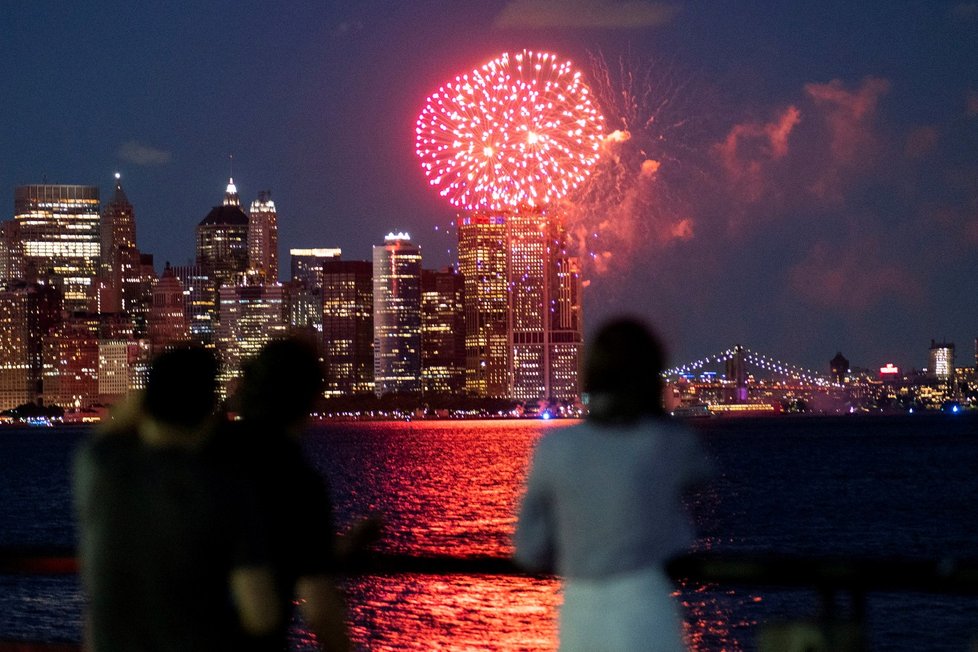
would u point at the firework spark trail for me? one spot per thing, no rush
(519, 131)
(637, 194)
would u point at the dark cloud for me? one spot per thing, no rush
(139, 154)
(577, 14)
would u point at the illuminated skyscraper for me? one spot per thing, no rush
(198, 302)
(58, 232)
(348, 326)
(523, 322)
(442, 332)
(167, 320)
(263, 237)
(27, 312)
(222, 244)
(397, 315)
(941, 360)
(545, 335)
(119, 267)
(482, 263)
(306, 296)
(249, 316)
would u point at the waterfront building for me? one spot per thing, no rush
(70, 357)
(199, 302)
(222, 244)
(442, 332)
(250, 314)
(839, 366)
(263, 237)
(941, 360)
(123, 366)
(27, 312)
(305, 289)
(397, 315)
(482, 263)
(348, 326)
(566, 336)
(524, 332)
(58, 234)
(167, 320)
(119, 267)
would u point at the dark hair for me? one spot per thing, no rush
(623, 366)
(181, 386)
(281, 382)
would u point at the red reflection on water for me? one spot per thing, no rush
(453, 487)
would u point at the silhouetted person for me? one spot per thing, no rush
(276, 394)
(603, 501)
(172, 555)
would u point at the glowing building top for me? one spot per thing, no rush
(231, 194)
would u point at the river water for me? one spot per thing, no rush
(903, 487)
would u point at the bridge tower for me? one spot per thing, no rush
(737, 372)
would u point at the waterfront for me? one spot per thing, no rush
(888, 487)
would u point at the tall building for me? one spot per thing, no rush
(566, 336)
(482, 262)
(523, 321)
(397, 315)
(199, 302)
(58, 233)
(27, 312)
(222, 243)
(123, 366)
(348, 326)
(941, 360)
(119, 258)
(305, 295)
(70, 357)
(442, 332)
(11, 258)
(249, 316)
(263, 237)
(167, 320)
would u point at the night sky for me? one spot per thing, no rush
(800, 178)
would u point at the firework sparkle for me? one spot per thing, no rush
(519, 131)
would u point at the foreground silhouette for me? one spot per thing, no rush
(603, 503)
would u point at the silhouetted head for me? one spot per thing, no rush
(180, 390)
(282, 382)
(622, 371)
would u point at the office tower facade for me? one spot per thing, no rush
(263, 237)
(566, 336)
(222, 244)
(119, 268)
(70, 359)
(482, 247)
(442, 332)
(123, 366)
(167, 320)
(27, 312)
(348, 326)
(59, 234)
(11, 258)
(397, 315)
(941, 360)
(305, 287)
(199, 302)
(249, 316)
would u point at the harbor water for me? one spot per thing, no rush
(890, 487)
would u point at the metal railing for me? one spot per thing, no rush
(829, 577)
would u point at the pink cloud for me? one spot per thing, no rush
(854, 277)
(849, 116)
(750, 147)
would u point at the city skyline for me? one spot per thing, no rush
(812, 182)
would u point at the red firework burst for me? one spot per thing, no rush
(519, 131)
